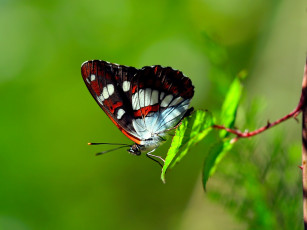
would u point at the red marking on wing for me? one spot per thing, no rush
(174, 90)
(189, 92)
(134, 88)
(138, 86)
(131, 137)
(112, 106)
(95, 87)
(115, 106)
(145, 110)
(117, 78)
(166, 85)
(156, 68)
(107, 75)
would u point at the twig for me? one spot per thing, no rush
(246, 134)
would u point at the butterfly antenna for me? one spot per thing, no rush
(110, 150)
(108, 144)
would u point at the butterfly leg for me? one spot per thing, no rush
(151, 156)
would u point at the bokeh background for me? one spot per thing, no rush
(51, 179)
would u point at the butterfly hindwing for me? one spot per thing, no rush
(160, 98)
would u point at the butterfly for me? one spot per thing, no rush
(143, 103)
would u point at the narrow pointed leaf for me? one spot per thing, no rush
(228, 117)
(215, 155)
(192, 130)
(231, 102)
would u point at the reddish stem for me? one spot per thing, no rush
(240, 134)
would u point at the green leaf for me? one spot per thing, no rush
(231, 102)
(192, 130)
(215, 155)
(228, 117)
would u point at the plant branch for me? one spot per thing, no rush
(246, 134)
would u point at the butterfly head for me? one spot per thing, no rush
(135, 149)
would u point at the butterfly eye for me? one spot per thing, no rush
(135, 150)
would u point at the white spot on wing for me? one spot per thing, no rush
(176, 101)
(154, 97)
(105, 93)
(120, 113)
(110, 89)
(162, 95)
(93, 77)
(141, 99)
(144, 98)
(100, 99)
(126, 86)
(135, 101)
(147, 97)
(166, 100)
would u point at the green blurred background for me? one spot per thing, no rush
(51, 179)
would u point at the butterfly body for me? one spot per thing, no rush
(143, 103)
(147, 145)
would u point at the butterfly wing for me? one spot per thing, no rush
(141, 103)
(109, 85)
(160, 99)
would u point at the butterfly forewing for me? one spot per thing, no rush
(108, 85)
